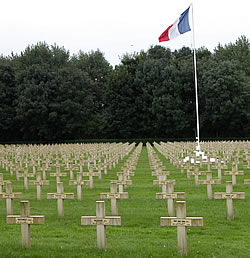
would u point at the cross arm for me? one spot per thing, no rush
(107, 221)
(42, 182)
(165, 182)
(185, 222)
(178, 195)
(208, 182)
(236, 173)
(125, 173)
(12, 219)
(239, 195)
(11, 195)
(161, 173)
(113, 195)
(60, 196)
(122, 182)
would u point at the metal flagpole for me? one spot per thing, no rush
(198, 148)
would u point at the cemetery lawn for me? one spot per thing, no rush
(140, 234)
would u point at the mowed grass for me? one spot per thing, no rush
(140, 234)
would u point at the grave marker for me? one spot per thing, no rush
(71, 170)
(2, 182)
(91, 175)
(170, 196)
(181, 221)
(218, 166)
(39, 183)
(9, 196)
(79, 183)
(60, 196)
(58, 174)
(101, 221)
(188, 167)
(25, 176)
(229, 196)
(163, 184)
(121, 182)
(125, 178)
(196, 173)
(248, 161)
(234, 173)
(160, 173)
(25, 220)
(209, 182)
(114, 196)
(43, 170)
(125, 173)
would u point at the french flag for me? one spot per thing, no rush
(179, 27)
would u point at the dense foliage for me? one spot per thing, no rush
(46, 94)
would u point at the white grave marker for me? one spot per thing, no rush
(181, 222)
(101, 221)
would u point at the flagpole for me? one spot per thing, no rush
(198, 148)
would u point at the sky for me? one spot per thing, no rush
(118, 27)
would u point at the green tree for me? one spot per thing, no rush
(125, 101)
(8, 128)
(238, 51)
(224, 91)
(98, 69)
(53, 97)
(159, 76)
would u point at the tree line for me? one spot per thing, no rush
(48, 95)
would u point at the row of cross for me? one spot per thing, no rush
(100, 220)
(168, 193)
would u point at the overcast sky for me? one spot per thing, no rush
(117, 27)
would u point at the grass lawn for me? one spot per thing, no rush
(140, 234)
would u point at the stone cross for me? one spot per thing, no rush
(17, 173)
(25, 220)
(170, 196)
(101, 221)
(39, 183)
(105, 169)
(99, 171)
(114, 196)
(218, 166)
(71, 170)
(100, 168)
(126, 174)
(58, 174)
(161, 175)
(163, 184)
(188, 167)
(229, 196)
(209, 182)
(60, 196)
(2, 182)
(44, 169)
(91, 175)
(182, 166)
(79, 183)
(208, 164)
(181, 221)
(9, 196)
(58, 159)
(125, 178)
(121, 182)
(25, 176)
(234, 173)
(196, 173)
(248, 161)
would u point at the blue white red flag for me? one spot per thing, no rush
(179, 27)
